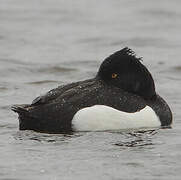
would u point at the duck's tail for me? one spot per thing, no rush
(36, 118)
(20, 109)
(26, 120)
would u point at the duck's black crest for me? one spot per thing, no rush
(124, 55)
(129, 52)
(132, 75)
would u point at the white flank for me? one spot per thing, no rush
(102, 118)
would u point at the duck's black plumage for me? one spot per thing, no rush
(122, 82)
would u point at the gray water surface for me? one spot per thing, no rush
(45, 43)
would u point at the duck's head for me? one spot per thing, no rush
(124, 70)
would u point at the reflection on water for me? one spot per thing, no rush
(41, 137)
(127, 139)
(137, 139)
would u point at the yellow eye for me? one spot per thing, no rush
(114, 75)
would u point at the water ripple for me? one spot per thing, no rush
(45, 138)
(54, 69)
(137, 139)
(43, 82)
(143, 42)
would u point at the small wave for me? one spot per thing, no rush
(143, 42)
(43, 82)
(55, 69)
(92, 40)
(137, 138)
(2, 37)
(14, 61)
(161, 13)
(2, 89)
(44, 138)
(173, 78)
(7, 107)
(177, 68)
